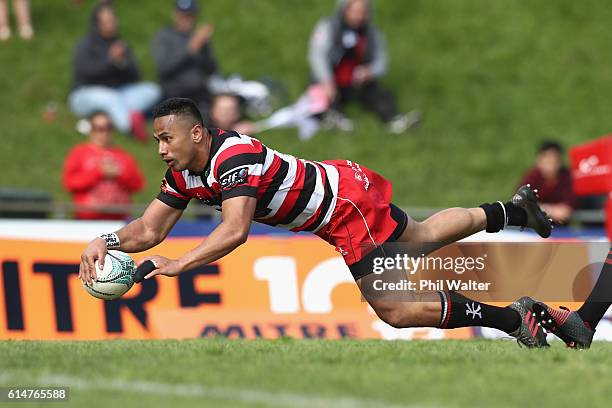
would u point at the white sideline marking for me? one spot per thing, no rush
(198, 391)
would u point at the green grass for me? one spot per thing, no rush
(493, 78)
(311, 373)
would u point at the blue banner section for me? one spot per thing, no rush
(197, 228)
(586, 234)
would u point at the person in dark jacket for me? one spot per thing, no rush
(184, 56)
(348, 57)
(107, 78)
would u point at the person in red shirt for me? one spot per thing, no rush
(100, 175)
(553, 182)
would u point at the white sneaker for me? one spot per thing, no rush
(336, 120)
(26, 32)
(401, 123)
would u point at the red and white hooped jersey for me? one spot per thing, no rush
(292, 193)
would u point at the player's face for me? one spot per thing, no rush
(178, 139)
(356, 13)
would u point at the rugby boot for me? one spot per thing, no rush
(538, 220)
(529, 332)
(565, 324)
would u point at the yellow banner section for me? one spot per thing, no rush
(270, 287)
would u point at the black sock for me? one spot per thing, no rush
(499, 215)
(496, 216)
(600, 298)
(516, 215)
(459, 311)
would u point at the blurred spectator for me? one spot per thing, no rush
(348, 57)
(22, 15)
(553, 182)
(184, 57)
(106, 77)
(225, 113)
(98, 174)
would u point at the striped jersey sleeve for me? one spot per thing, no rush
(171, 192)
(239, 168)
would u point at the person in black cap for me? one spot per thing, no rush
(184, 56)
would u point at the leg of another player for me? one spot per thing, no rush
(577, 328)
(600, 299)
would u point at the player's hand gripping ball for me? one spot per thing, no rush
(115, 279)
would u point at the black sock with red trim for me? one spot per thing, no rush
(600, 299)
(459, 311)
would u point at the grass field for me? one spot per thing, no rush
(493, 78)
(290, 373)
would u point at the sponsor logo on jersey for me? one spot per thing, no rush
(234, 177)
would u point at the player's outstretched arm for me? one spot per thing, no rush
(139, 235)
(237, 214)
(150, 229)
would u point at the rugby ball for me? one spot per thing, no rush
(115, 279)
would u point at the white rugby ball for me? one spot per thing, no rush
(115, 279)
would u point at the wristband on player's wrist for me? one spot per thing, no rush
(112, 240)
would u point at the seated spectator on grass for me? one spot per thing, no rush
(225, 114)
(553, 182)
(184, 57)
(21, 8)
(348, 58)
(98, 174)
(106, 77)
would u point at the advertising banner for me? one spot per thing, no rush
(274, 287)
